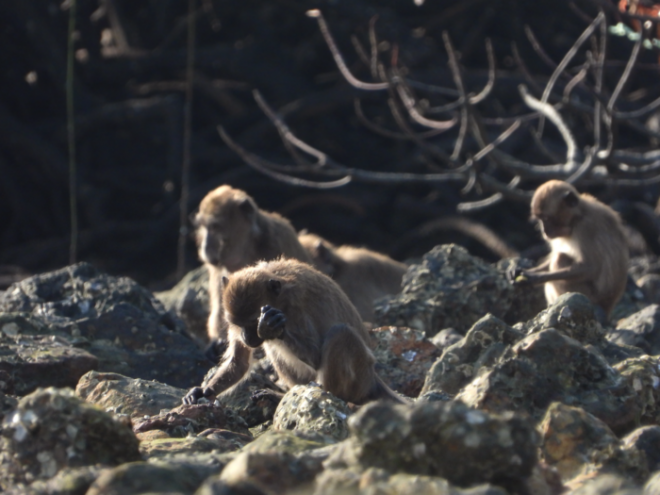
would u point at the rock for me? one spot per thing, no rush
(7, 404)
(272, 472)
(120, 394)
(606, 484)
(641, 375)
(641, 329)
(189, 300)
(547, 366)
(577, 443)
(250, 398)
(573, 315)
(52, 429)
(652, 486)
(113, 318)
(445, 439)
(312, 409)
(647, 440)
(215, 486)
(378, 481)
(403, 357)
(138, 478)
(445, 338)
(186, 419)
(293, 442)
(484, 343)
(34, 361)
(215, 440)
(451, 288)
(68, 481)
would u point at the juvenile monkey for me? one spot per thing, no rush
(364, 275)
(588, 254)
(308, 329)
(232, 233)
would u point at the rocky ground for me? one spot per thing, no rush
(509, 397)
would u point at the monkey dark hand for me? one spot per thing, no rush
(271, 323)
(517, 276)
(196, 393)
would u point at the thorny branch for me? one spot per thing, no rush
(575, 91)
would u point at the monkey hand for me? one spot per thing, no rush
(196, 393)
(517, 276)
(271, 323)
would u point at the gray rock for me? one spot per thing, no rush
(606, 484)
(189, 299)
(68, 481)
(445, 439)
(641, 329)
(133, 396)
(446, 337)
(113, 318)
(451, 288)
(647, 440)
(312, 409)
(652, 486)
(52, 429)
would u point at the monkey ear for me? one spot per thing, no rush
(193, 218)
(224, 281)
(571, 199)
(275, 286)
(324, 253)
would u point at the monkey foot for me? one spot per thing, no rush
(267, 395)
(271, 323)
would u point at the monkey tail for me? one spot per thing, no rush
(382, 391)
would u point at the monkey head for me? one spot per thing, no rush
(225, 223)
(556, 206)
(322, 253)
(245, 293)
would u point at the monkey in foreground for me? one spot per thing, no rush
(364, 275)
(307, 326)
(589, 253)
(232, 233)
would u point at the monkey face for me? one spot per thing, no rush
(556, 206)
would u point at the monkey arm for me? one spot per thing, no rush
(575, 273)
(541, 267)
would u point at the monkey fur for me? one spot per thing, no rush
(589, 253)
(307, 326)
(364, 275)
(232, 233)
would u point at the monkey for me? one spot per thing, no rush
(231, 233)
(589, 253)
(307, 327)
(364, 275)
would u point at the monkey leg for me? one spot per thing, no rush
(347, 368)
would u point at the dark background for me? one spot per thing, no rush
(129, 102)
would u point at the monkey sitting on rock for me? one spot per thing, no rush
(307, 326)
(232, 233)
(589, 252)
(363, 274)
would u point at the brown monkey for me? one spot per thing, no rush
(307, 326)
(364, 275)
(232, 233)
(589, 253)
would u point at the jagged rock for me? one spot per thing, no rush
(212, 440)
(189, 299)
(138, 478)
(272, 472)
(114, 319)
(215, 486)
(52, 429)
(310, 408)
(647, 440)
(445, 439)
(641, 329)
(34, 361)
(652, 486)
(573, 314)
(120, 394)
(293, 442)
(7, 404)
(641, 375)
(451, 288)
(445, 338)
(251, 398)
(547, 366)
(186, 419)
(379, 481)
(403, 357)
(484, 343)
(577, 443)
(68, 481)
(606, 484)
